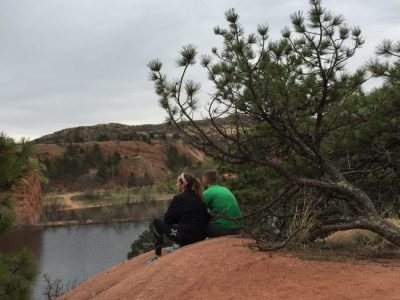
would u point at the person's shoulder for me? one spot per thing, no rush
(185, 194)
(214, 187)
(178, 197)
(228, 190)
(211, 190)
(207, 190)
(220, 188)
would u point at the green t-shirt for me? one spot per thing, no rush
(222, 202)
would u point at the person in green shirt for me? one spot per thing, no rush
(222, 204)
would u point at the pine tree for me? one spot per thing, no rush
(286, 105)
(17, 270)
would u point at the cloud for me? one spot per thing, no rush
(68, 63)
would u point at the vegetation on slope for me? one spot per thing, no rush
(17, 270)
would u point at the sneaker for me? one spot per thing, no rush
(172, 248)
(151, 260)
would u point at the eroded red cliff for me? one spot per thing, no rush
(27, 196)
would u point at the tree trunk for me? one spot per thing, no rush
(376, 224)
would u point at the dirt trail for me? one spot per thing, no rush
(67, 198)
(68, 201)
(225, 268)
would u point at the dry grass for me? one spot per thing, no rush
(355, 244)
(359, 237)
(303, 219)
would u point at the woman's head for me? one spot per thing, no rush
(188, 181)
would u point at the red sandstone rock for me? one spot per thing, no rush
(28, 199)
(225, 268)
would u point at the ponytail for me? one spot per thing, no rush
(198, 188)
(192, 183)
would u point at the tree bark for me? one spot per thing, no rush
(375, 224)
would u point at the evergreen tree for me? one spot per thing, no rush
(286, 104)
(103, 138)
(17, 270)
(14, 160)
(176, 161)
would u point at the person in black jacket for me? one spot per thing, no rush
(186, 219)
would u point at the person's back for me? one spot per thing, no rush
(186, 219)
(223, 206)
(222, 203)
(190, 214)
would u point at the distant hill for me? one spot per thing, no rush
(114, 154)
(109, 132)
(78, 166)
(117, 132)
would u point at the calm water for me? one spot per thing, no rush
(74, 253)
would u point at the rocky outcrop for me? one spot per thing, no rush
(27, 197)
(226, 268)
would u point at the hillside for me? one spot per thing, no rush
(120, 132)
(106, 132)
(115, 162)
(225, 268)
(117, 132)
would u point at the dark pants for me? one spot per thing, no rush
(159, 229)
(214, 231)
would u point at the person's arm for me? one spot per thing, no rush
(208, 215)
(208, 203)
(207, 198)
(173, 213)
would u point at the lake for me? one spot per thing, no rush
(73, 253)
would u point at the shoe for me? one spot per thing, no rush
(151, 260)
(172, 248)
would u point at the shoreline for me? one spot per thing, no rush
(138, 212)
(91, 222)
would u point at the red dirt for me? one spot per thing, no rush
(68, 200)
(225, 268)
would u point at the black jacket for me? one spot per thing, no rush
(190, 213)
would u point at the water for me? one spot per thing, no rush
(75, 253)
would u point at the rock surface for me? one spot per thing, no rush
(225, 268)
(28, 199)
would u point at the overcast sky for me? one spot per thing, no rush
(67, 63)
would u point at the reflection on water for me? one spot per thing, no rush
(25, 237)
(73, 253)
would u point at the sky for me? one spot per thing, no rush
(68, 63)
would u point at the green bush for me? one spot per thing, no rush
(17, 272)
(7, 215)
(14, 160)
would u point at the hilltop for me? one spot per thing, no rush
(118, 132)
(107, 132)
(109, 155)
(226, 268)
